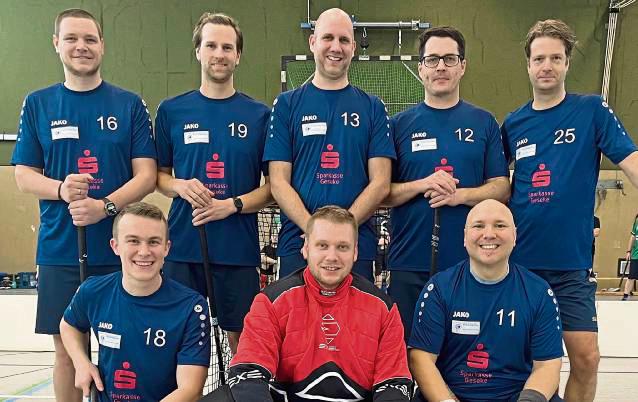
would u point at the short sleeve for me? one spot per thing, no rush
(507, 152)
(28, 150)
(76, 314)
(611, 136)
(195, 347)
(163, 138)
(547, 330)
(395, 162)
(381, 144)
(142, 131)
(279, 144)
(495, 163)
(428, 325)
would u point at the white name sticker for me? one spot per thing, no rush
(428, 144)
(524, 152)
(192, 137)
(58, 133)
(319, 128)
(466, 327)
(109, 340)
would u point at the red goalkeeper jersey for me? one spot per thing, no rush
(301, 343)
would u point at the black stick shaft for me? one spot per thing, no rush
(82, 260)
(82, 254)
(436, 228)
(203, 243)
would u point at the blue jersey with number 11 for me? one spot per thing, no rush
(487, 336)
(556, 155)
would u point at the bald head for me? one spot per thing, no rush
(493, 207)
(334, 15)
(490, 236)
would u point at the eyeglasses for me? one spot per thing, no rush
(450, 60)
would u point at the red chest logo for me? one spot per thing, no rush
(330, 158)
(542, 177)
(125, 379)
(215, 168)
(478, 358)
(445, 167)
(87, 163)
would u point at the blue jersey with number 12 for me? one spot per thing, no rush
(463, 140)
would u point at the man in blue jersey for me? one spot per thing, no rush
(485, 329)
(555, 142)
(328, 143)
(210, 144)
(85, 149)
(154, 333)
(449, 156)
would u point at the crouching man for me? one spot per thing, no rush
(154, 333)
(487, 330)
(322, 333)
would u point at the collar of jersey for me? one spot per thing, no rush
(316, 291)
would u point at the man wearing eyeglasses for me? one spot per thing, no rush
(449, 156)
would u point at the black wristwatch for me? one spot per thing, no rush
(238, 204)
(109, 207)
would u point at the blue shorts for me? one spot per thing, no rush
(576, 295)
(291, 263)
(56, 286)
(235, 288)
(405, 288)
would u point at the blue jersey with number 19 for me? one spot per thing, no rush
(463, 140)
(328, 137)
(97, 132)
(142, 339)
(556, 155)
(487, 336)
(220, 142)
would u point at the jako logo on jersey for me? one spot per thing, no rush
(422, 134)
(461, 314)
(312, 117)
(87, 163)
(542, 177)
(444, 167)
(330, 328)
(521, 142)
(56, 123)
(125, 379)
(330, 158)
(478, 358)
(190, 126)
(215, 169)
(105, 325)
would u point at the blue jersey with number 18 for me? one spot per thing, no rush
(142, 339)
(556, 155)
